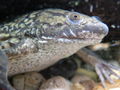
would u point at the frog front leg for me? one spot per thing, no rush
(25, 46)
(4, 83)
(103, 69)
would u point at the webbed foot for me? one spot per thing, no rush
(105, 70)
(4, 83)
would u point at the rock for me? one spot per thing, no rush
(18, 82)
(78, 86)
(56, 83)
(28, 81)
(115, 86)
(85, 81)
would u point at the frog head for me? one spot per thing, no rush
(69, 27)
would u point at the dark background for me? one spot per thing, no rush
(107, 10)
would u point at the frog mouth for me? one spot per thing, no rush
(71, 36)
(89, 32)
(92, 32)
(80, 35)
(75, 39)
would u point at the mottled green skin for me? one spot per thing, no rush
(37, 40)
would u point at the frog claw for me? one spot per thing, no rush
(104, 71)
(114, 67)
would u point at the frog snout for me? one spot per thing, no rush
(98, 28)
(103, 28)
(88, 31)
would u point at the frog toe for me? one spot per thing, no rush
(105, 71)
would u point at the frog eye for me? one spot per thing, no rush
(74, 18)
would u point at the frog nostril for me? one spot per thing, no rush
(97, 17)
